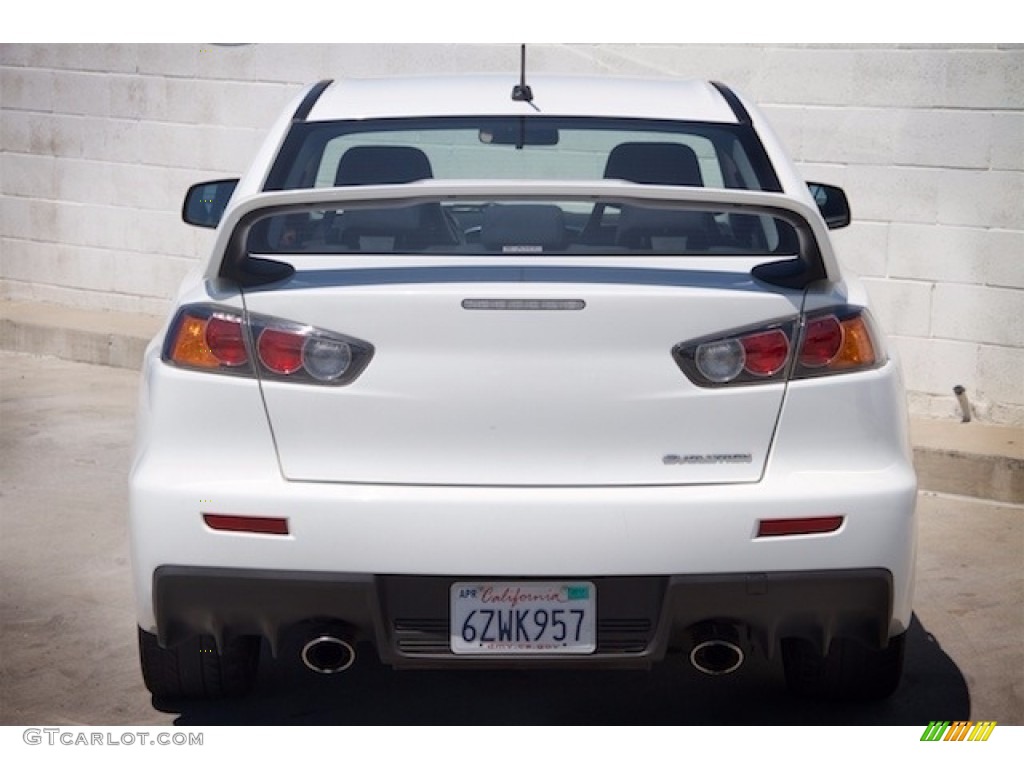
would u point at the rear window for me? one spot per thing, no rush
(355, 152)
(401, 151)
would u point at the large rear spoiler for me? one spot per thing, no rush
(815, 260)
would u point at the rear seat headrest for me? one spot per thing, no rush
(382, 165)
(654, 163)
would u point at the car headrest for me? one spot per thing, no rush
(382, 165)
(654, 163)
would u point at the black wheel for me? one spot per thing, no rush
(850, 671)
(194, 670)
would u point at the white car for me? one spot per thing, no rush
(557, 374)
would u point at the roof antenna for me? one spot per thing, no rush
(521, 91)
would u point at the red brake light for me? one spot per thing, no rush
(280, 351)
(225, 341)
(766, 352)
(823, 337)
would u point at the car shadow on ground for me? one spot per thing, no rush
(673, 693)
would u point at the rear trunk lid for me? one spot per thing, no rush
(524, 372)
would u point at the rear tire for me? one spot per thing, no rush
(850, 671)
(195, 670)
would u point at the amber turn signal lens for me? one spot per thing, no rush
(190, 346)
(857, 350)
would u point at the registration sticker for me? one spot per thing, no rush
(517, 617)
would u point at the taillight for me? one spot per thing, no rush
(222, 340)
(766, 352)
(188, 345)
(720, 361)
(280, 351)
(226, 340)
(838, 341)
(832, 341)
(326, 359)
(751, 357)
(822, 340)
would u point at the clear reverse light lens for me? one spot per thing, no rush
(326, 359)
(720, 361)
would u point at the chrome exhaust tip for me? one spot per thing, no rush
(716, 649)
(328, 654)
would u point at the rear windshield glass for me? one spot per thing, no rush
(395, 151)
(523, 227)
(400, 151)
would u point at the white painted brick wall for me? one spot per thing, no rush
(938, 364)
(1000, 368)
(978, 313)
(903, 307)
(971, 255)
(1008, 141)
(98, 142)
(864, 248)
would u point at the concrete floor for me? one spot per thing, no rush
(67, 636)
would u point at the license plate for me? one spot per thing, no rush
(514, 617)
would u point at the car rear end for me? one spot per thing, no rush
(473, 415)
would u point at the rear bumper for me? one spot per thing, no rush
(694, 533)
(640, 618)
(353, 545)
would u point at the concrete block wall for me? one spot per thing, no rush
(98, 143)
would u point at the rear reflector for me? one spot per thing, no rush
(238, 523)
(795, 526)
